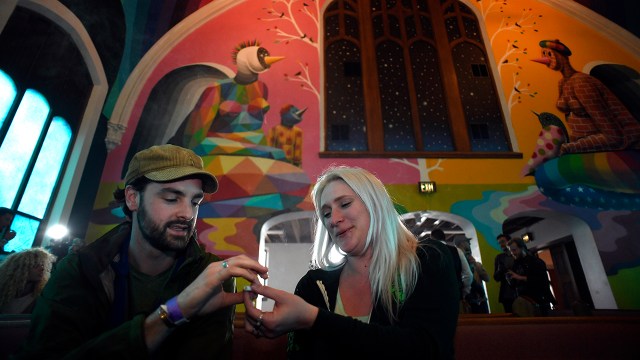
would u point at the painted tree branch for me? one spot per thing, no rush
(287, 15)
(304, 78)
(515, 97)
(422, 166)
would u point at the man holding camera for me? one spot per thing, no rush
(504, 263)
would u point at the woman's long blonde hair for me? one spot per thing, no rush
(15, 269)
(394, 265)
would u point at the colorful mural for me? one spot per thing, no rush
(225, 129)
(597, 120)
(596, 170)
(259, 179)
(287, 136)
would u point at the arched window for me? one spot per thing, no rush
(53, 90)
(409, 79)
(284, 247)
(33, 149)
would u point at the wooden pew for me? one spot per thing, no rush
(605, 335)
(613, 335)
(13, 331)
(565, 337)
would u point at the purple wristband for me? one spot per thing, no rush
(174, 312)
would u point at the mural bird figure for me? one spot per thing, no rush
(231, 107)
(286, 135)
(596, 118)
(600, 180)
(550, 139)
(548, 119)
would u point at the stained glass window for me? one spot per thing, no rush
(33, 150)
(386, 93)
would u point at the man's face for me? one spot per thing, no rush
(167, 213)
(516, 252)
(502, 240)
(465, 247)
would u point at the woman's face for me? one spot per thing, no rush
(345, 217)
(36, 273)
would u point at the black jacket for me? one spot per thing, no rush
(425, 327)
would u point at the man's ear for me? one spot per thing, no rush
(132, 198)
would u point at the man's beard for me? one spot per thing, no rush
(156, 234)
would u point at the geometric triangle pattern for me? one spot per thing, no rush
(255, 206)
(251, 207)
(253, 186)
(250, 137)
(226, 107)
(225, 146)
(240, 108)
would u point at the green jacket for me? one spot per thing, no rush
(73, 317)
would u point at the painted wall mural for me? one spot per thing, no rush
(597, 119)
(193, 93)
(286, 135)
(260, 177)
(595, 164)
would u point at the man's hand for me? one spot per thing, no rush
(206, 295)
(9, 235)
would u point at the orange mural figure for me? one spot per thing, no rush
(287, 136)
(596, 118)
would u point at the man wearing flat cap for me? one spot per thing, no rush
(145, 288)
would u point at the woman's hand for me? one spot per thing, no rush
(290, 312)
(205, 294)
(9, 235)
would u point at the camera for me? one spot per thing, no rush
(9, 235)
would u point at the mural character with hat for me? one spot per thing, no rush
(598, 165)
(596, 118)
(145, 288)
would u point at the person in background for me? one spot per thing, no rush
(503, 263)
(463, 271)
(6, 234)
(145, 289)
(59, 248)
(477, 297)
(22, 277)
(529, 277)
(374, 291)
(76, 245)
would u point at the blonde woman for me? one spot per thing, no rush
(382, 296)
(22, 278)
